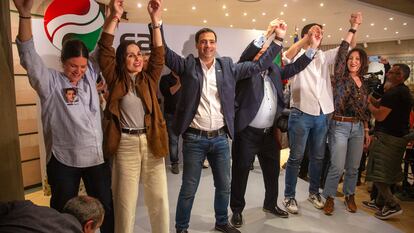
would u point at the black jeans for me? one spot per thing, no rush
(246, 145)
(64, 182)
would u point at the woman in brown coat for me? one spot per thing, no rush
(135, 134)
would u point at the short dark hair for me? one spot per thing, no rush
(306, 28)
(73, 48)
(363, 59)
(120, 55)
(405, 69)
(85, 208)
(204, 30)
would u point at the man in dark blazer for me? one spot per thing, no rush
(258, 101)
(205, 115)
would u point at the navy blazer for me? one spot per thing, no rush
(250, 92)
(227, 74)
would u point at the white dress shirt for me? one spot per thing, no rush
(265, 116)
(209, 115)
(311, 89)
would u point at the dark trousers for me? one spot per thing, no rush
(246, 145)
(64, 183)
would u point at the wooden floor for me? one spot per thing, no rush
(404, 222)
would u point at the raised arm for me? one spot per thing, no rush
(248, 69)
(106, 53)
(25, 23)
(254, 47)
(41, 77)
(296, 47)
(156, 61)
(340, 62)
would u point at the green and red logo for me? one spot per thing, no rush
(68, 19)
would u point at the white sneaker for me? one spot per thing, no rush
(316, 200)
(291, 205)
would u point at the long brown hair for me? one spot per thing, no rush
(363, 59)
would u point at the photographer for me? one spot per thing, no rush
(391, 113)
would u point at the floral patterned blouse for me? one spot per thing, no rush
(349, 99)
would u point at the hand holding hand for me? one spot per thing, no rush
(154, 10)
(315, 35)
(280, 27)
(23, 6)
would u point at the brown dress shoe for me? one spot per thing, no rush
(328, 208)
(350, 203)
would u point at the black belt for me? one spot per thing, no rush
(261, 130)
(133, 131)
(208, 134)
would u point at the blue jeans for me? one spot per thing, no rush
(303, 127)
(195, 149)
(172, 138)
(346, 142)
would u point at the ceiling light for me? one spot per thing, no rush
(321, 4)
(340, 29)
(231, 25)
(193, 8)
(253, 20)
(385, 29)
(244, 14)
(304, 19)
(391, 18)
(367, 36)
(227, 14)
(224, 7)
(396, 32)
(372, 24)
(285, 5)
(205, 21)
(329, 36)
(342, 38)
(323, 25)
(165, 9)
(282, 13)
(264, 13)
(405, 24)
(139, 5)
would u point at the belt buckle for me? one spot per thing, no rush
(266, 130)
(211, 134)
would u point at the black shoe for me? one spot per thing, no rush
(237, 220)
(388, 212)
(372, 205)
(175, 169)
(226, 228)
(276, 211)
(181, 231)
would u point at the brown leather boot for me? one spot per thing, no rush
(328, 208)
(350, 203)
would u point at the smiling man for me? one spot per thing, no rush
(205, 117)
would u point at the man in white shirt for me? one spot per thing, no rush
(311, 101)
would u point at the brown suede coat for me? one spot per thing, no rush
(146, 85)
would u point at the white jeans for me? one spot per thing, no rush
(134, 162)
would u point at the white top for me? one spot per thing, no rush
(209, 115)
(265, 116)
(311, 89)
